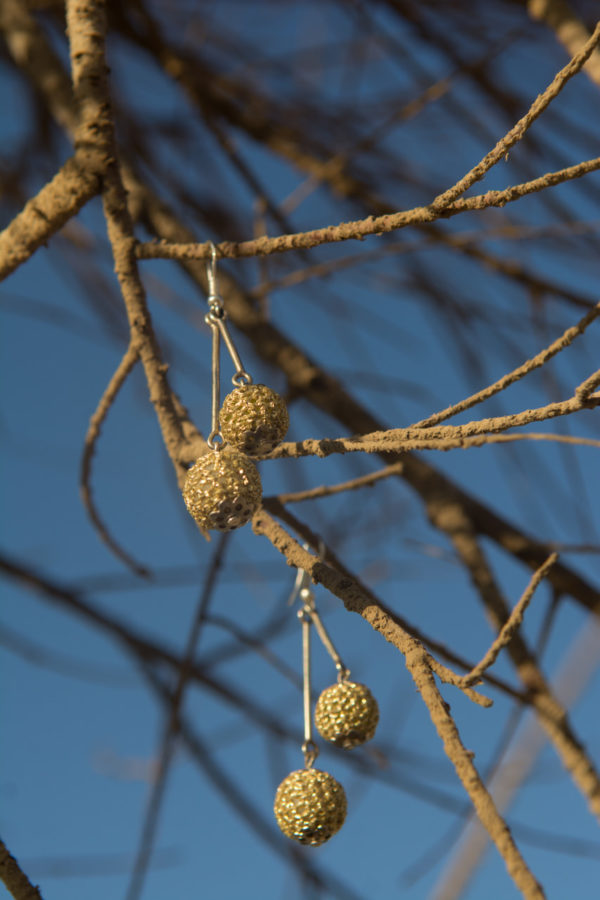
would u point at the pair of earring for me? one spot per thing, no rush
(222, 491)
(223, 488)
(310, 805)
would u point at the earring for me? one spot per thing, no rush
(346, 714)
(310, 805)
(223, 490)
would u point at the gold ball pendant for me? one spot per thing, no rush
(347, 714)
(254, 419)
(222, 490)
(310, 806)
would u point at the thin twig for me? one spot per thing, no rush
(552, 715)
(517, 131)
(352, 485)
(361, 228)
(510, 626)
(108, 397)
(530, 365)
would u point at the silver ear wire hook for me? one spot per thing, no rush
(303, 590)
(215, 302)
(217, 315)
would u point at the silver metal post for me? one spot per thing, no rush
(215, 439)
(309, 748)
(241, 376)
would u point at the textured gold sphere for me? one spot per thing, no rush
(347, 714)
(254, 419)
(222, 490)
(310, 806)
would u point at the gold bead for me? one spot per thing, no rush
(310, 806)
(254, 419)
(347, 714)
(222, 490)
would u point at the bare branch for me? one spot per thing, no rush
(517, 131)
(511, 625)
(352, 485)
(530, 365)
(553, 716)
(15, 879)
(124, 368)
(362, 228)
(73, 185)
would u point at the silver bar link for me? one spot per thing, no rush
(241, 376)
(309, 748)
(307, 596)
(217, 316)
(215, 438)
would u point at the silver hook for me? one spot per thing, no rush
(215, 302)
(302, 582)
(303, 589)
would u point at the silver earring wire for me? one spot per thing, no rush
(309, 748)
(217, 316)
(308, 616)
(212, 319)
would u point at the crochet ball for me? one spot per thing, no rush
(310, 806)
(222, 490)
(254, 419)
(347, 714)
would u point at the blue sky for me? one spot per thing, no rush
(79, 743)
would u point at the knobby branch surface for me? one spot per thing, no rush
(73, 185)
(359, 229)
(86, 22)
(16, 881)
(445, 204)
(389, 442)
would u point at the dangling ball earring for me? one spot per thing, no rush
(222, 490)
(310, 805)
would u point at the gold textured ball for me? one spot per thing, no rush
(254, 419)
(347, 714)
(310, 806)
(222, 490)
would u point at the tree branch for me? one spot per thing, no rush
(362, 228)
(73, 185)
(511, 625)
(116, 382)
(15, 879)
